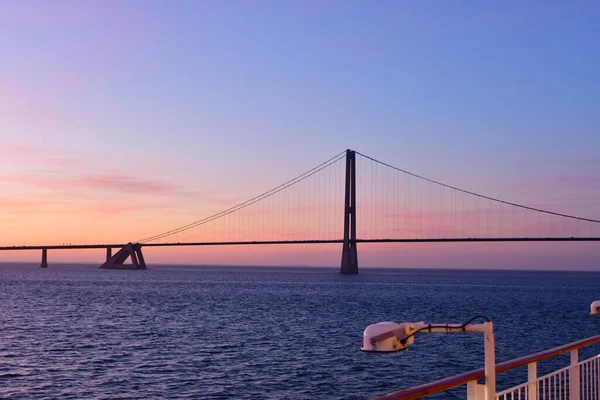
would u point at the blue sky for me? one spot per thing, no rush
(497, 97)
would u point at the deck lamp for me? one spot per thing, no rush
(392, 336)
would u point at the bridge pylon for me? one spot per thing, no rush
(349, 252)
(129, 250)
(44, 263)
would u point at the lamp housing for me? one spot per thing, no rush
(388, 336)
(595, 307)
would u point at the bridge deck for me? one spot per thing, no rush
(264, 242)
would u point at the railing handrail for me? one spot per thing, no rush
(461, 379)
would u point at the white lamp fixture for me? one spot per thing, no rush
(595, 307)
(393, 336)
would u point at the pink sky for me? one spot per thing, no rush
(121, 120)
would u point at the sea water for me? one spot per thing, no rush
(74, 331)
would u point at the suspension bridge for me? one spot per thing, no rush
(350, 199)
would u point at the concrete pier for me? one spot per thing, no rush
(44, 263)
(140, 257)
(130, 250)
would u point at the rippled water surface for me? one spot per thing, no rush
(266, 333)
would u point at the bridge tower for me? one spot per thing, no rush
(349, 253)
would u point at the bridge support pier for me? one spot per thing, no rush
(130, 250)
(349, 251)
(44, 263)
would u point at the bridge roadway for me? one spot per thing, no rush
(265, 242)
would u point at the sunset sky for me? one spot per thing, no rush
(123, 119)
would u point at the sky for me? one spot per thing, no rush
(119, 120)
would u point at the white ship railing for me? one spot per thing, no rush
(578, 381)
(556, 385)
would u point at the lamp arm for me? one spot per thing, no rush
(420, 327)
(417, 327)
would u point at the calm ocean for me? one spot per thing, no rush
(74, 332)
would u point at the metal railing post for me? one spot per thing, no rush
(532, 387)
(574, 376)
(490, 361)
(597, 389)
(475, 391)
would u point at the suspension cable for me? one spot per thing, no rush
(251, 201)
(482, 196)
